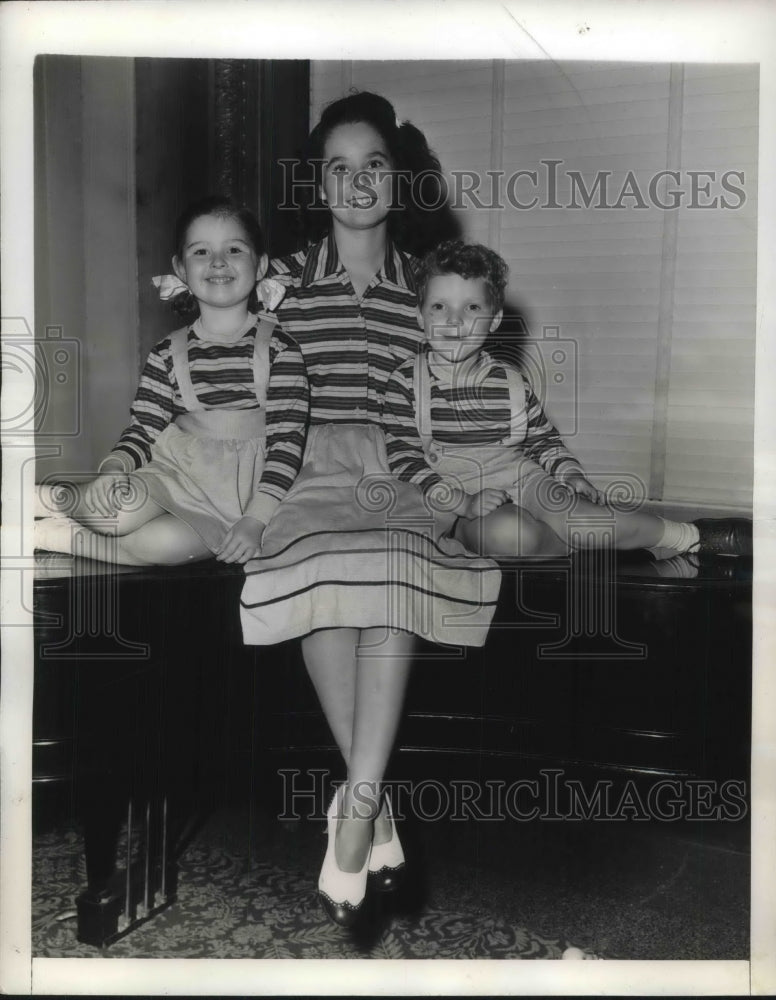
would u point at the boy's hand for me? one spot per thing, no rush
(103, 494)
(485, 502)
(242, 541)
(578, 484)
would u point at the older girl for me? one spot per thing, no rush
(350, 562)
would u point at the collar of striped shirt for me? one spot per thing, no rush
(465, 374)
(322, 261)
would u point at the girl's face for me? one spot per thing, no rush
(357, 179)
(218, 262)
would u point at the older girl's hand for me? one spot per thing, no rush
(103, 494)
(242, 541)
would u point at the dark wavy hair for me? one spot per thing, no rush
(420, 216)
(468, 260)
(185, 305)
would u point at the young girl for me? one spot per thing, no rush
(219, 419)
(459, 420)
(350, 561)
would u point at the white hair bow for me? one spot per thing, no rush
(269, 290)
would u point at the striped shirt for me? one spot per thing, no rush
(222, 378)
(475, 411)
(350, 345)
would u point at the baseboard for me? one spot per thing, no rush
(678, 510)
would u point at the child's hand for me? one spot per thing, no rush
(103, 494)
(485, 502)
(242, 541)
(578, 484)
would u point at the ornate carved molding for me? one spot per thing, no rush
(234, 131)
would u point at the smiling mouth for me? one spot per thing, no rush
(220, 280)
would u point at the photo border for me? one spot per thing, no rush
(623, 31)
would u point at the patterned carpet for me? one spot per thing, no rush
(228, 908)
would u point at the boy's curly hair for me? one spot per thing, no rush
(468, 260)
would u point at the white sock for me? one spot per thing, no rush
(55, 534)
(681, 536)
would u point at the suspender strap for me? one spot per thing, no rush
(264, 331)
(422, 390)
(179, 349)
(518, 423)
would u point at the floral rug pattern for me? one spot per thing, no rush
(227, 908)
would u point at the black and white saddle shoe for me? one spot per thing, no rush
(341, 893)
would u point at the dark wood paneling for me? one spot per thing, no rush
(285, 114)
(234, 103)
(59, 262)
(173, 169)
(211, 127)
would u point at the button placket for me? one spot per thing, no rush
(361, 411)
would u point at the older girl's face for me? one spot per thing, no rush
(357, 180)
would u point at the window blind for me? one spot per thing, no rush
(640, 317)
(710, 414)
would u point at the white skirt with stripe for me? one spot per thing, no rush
(353, 547)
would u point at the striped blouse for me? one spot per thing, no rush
(475, 411)
(350, 345)
(222, 378)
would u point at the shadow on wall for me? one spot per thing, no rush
(510, 341)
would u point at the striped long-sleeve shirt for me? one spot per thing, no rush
(350, 345)
(474, 411)
(222, 378)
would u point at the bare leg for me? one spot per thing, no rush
(384, 661)
(593, 525)
(163, 541)
(331, 658)
(509, 531)
(68, 501)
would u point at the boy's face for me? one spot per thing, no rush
(457, 316)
